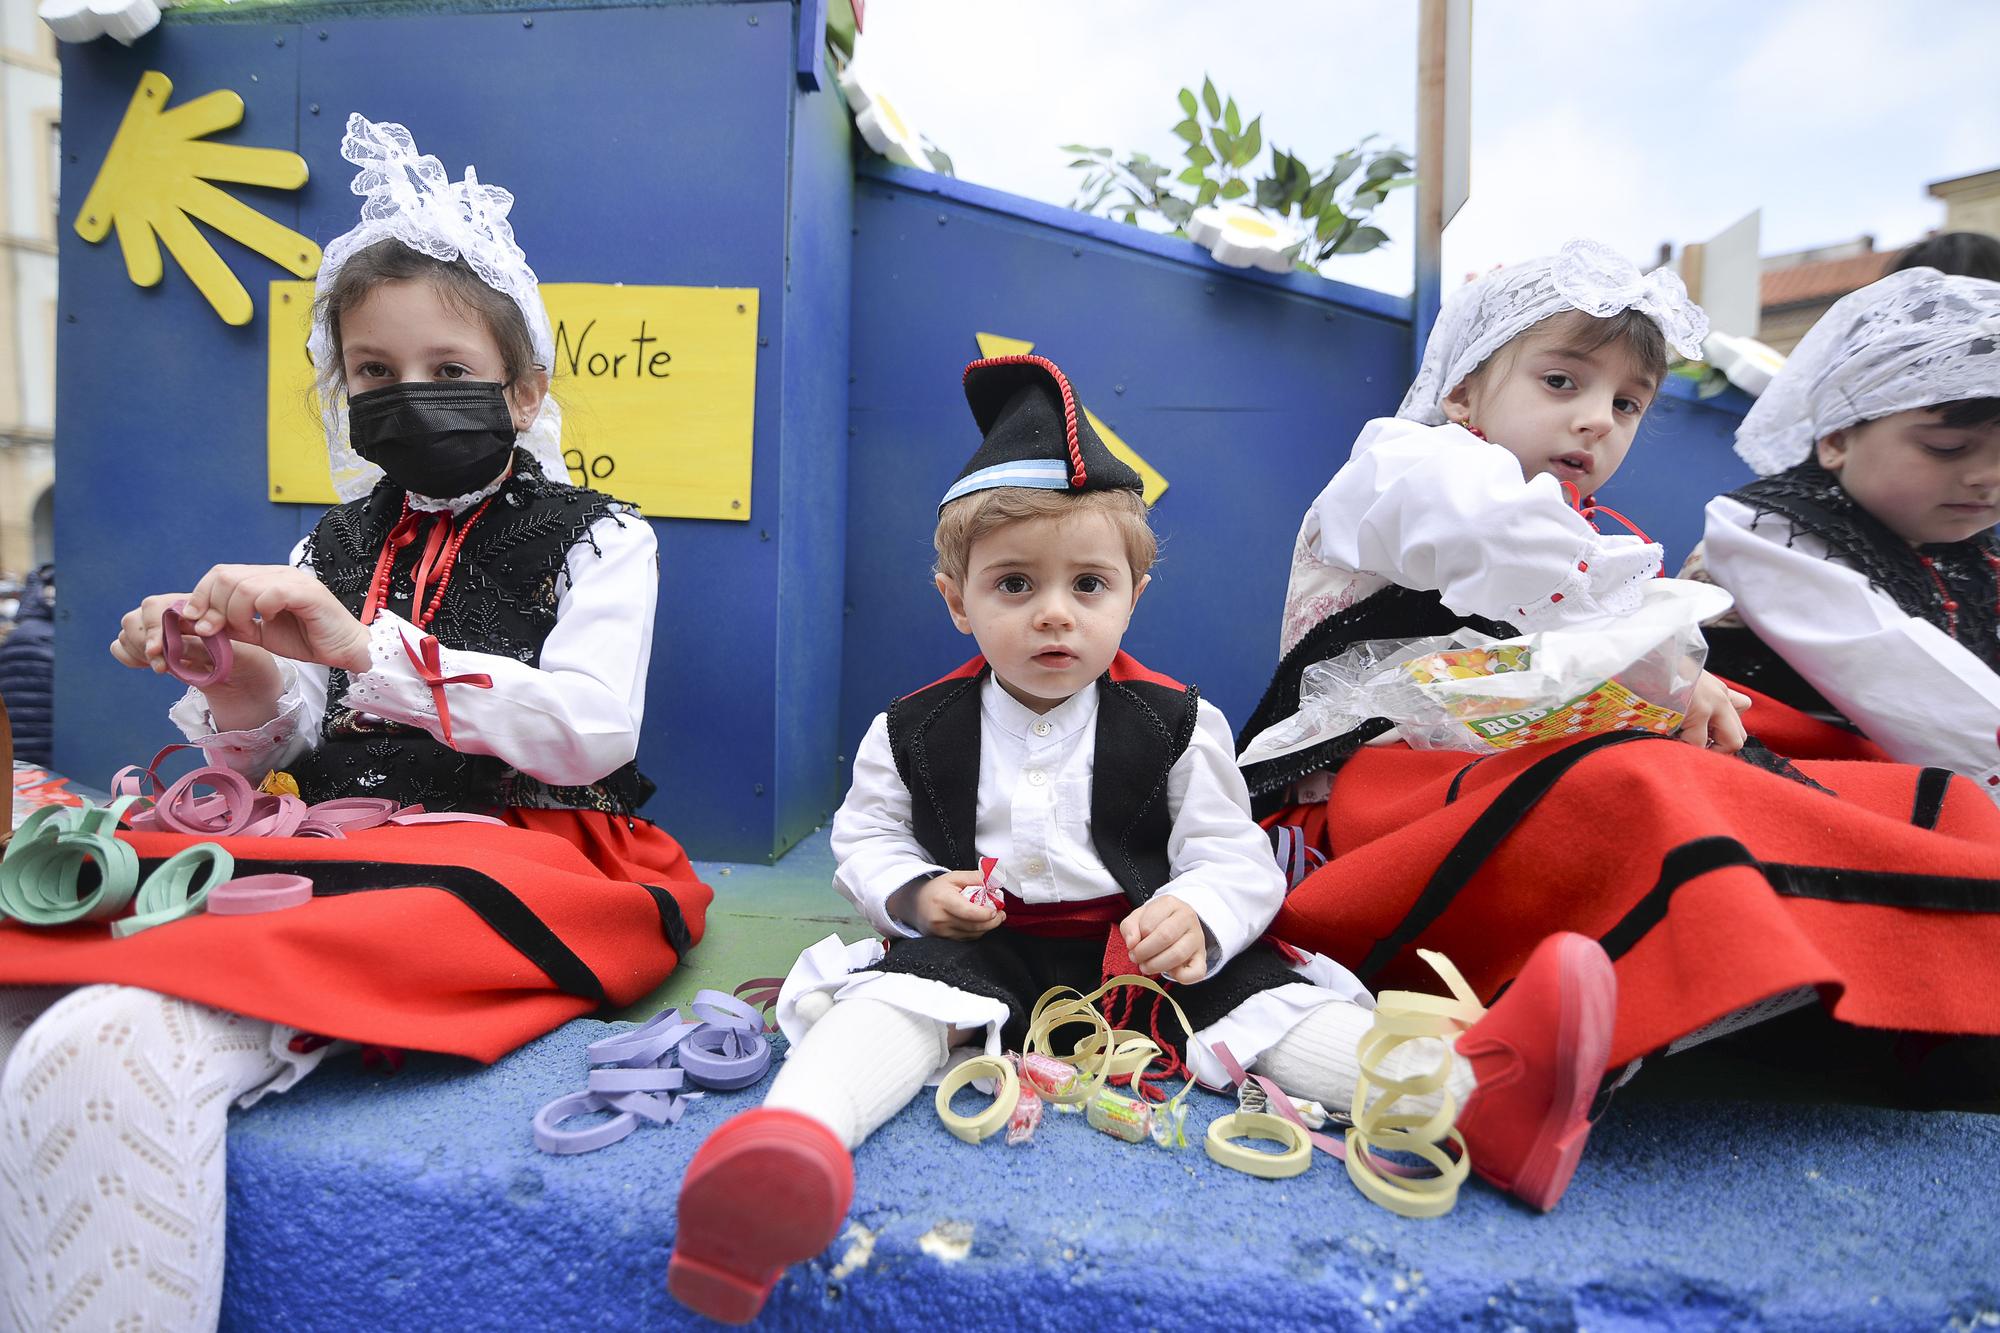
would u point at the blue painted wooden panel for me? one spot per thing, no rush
(1680, 460)
(1244, 392)
(646, 145)
(159, 404)
(812, 362)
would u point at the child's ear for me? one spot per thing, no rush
(525, 397)
(1457, 404)
(954, 601)
(1145, 581)
(1832, 450)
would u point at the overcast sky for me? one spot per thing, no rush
(1628, 120)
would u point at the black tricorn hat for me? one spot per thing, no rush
(1036, 433)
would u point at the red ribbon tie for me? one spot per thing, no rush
(429, 664)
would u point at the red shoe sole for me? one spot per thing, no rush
(1589, 993)
(767, 1189)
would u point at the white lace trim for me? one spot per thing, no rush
(384, 690)
(1913, 339)
(1481, 317)
(248, 751)
(1602, 580)
(457, 504)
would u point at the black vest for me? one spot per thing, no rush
(1811, 500)
(1144, 724)
(502, 597)
(1395, 612)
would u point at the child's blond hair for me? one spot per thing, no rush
(981, 514)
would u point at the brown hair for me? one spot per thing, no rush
(389, 261)
(1581, 332)
(982, 513)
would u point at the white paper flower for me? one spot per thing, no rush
(82, 20)
(1243, 237)
(1748, 363)
(882, 126)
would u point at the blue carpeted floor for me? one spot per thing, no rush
(416, 1201)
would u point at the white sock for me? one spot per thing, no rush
(1316, 1060)
(112, 1114)
(858, 1066)
(20, 1006)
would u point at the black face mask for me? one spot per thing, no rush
(436, 440)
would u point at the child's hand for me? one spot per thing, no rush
(141, 644)
(939, 906)
(1712, 716)
(1165, 938)
(281, 609)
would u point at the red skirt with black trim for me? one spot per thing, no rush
(461, 938)
(1711, 882)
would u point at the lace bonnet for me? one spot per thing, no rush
(410, 199)
(1914, 339)
(1483, 316)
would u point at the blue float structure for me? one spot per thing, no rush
(673, 144)
(701, 144)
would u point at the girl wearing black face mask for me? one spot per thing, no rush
(467, 631)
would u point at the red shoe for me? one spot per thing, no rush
(1538, 1056)
(765, 1190)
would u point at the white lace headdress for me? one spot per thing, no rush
(411, 199)
(1914, 339)
(1483, 316)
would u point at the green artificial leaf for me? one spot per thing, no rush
(1382, 168)
(1209, 189)
(1231, 118)
(1192, 176)
(1084, 162)
(1225, 146)
(1188, 130)
(1200, 156)
(1271, 195)
(1209, 98)
(1343, 166)
(1319, 199)
(1187, 102)
(940, 160)
(1234, 189)
(1365, 200)
(1131, 216)
(1329, 223)
(1361, 241)
(1253, 139)
(1176, 210)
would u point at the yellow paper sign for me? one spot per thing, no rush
(658, 387)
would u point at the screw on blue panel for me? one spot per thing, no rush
(760, 789)
(753, 23)
(527, 23)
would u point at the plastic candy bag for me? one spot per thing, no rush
(1467, 691)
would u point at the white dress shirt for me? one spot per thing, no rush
(1438, 508)
(570, 721)
(1914, 690)
(1033, 815)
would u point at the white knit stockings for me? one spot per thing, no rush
(112, 1110)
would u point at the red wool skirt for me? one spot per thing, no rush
(1712, 883)
(461, 938)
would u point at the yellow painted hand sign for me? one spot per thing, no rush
(154, 183)
(992, 344)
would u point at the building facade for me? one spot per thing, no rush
(31, 121)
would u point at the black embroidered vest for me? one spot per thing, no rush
(502, 597)
(1395, 612)
(1144, 724)
(1811, 500)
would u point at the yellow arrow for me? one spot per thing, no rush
(154, 180)
(992, 344)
